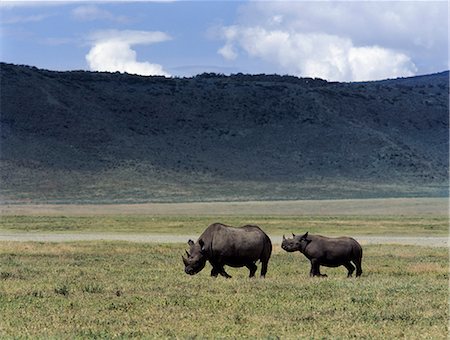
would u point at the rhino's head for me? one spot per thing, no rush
(297, 242)
(196, 258)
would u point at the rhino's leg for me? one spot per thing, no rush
(252, 267)
(315, 268)
(350, 268)
(311, 271)
(214, 272)
(264, 268)
(358, 267)
(224, 273)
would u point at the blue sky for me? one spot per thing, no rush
(344, 41)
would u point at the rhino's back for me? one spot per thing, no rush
(335, 241)
(335, 248)
(236, 246)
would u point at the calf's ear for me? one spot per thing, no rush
(191, 243)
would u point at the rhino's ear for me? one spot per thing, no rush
(202, 245)
(191, 243)
(306, 235)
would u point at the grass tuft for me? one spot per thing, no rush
(62, 290)
(93, 288)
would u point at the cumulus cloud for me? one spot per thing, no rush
(112, 51)
(341, 40)
(316, 54)
(371, 63)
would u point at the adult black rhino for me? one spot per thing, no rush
(224, 245)
(326, 251)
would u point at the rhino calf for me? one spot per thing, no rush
(326, 251)
(224, 245)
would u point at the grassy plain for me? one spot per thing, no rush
(397, 216)
(101, 289)
(109, 289)
(432, 206)
(273, 225)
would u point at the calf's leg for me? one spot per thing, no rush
(315, 269)
(311, 271)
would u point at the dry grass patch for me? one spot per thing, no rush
(428, 268)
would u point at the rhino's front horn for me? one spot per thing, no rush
(187, 253)
(186, 263)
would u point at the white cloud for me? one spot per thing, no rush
(317, 54)
(111, 52)
(32, 3)
(375, 62)
(345, 40)
(228, 52)
(25, 19)
(91, 12)
(35, 3)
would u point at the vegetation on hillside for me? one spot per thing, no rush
(110, 137)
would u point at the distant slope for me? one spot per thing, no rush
(102, 137)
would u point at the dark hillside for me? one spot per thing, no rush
(102, 137)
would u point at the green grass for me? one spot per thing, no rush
(109, 289)
(340, 225)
